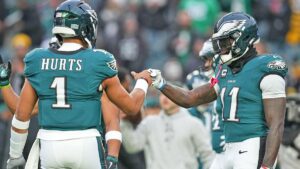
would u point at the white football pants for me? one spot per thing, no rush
(82, 153)
(247, 154)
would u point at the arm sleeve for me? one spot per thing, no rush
(107, 64)
(134, 140)
(272, 86)
(202, 142)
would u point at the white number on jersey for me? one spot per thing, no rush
(59, 84)
(233, 107)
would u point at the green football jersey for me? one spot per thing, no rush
(218, 138)
(196, 113)
(67, 85)
(240, 97)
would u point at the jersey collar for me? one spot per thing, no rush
(70, 47)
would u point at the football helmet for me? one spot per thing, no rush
(207, 57)
(207, 50)
(76, 19)
(195, 79)
(234, 34)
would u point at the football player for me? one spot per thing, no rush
(109, 128)
(201, 77)
(250, 89)
(69, 83)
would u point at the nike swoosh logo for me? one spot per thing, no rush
(110, 165)
(241, 152)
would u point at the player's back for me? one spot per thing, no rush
(67, 84)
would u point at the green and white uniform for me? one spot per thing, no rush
(241, 102)
(67, 83)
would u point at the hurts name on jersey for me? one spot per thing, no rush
(61, 64)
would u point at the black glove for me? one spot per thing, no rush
(5, 71)
(111, 162)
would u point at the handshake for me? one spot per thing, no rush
(152, 76)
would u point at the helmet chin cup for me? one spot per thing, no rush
(226, 58)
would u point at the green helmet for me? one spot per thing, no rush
(207, 50)
(234, 34)
(76, 19)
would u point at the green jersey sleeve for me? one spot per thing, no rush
(274, 64)
(30, 61)
(107, 64)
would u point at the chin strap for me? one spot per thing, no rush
(237, 65)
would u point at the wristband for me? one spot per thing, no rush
(141, 84)
(113, 135)
(264, 167)
(23, 125)
(112, 158)
(6, 86)
(17, 143)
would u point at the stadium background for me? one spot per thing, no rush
(163, 34)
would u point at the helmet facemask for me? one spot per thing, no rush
(226, 47)
(234, 35)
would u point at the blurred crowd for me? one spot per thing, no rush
(163, 34)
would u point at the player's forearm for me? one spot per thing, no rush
(274, 114)
(114, 143)
(137, 97)
(186, 98)
(273, 141)
(10, 98)
(113, 148)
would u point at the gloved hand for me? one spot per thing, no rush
(16, 163)
(111, 162)
(157, 80)
(5, 71)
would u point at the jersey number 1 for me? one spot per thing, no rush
(233, 106)
(59, 83)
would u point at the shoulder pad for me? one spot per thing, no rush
(31, 54)
(273, 64)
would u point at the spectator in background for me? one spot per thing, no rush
(193, 61)
(110, 19)
(30, 22)
(151, 105)
(182, 37)
(273, 21)
(173, 139)
(204, 13)
(236, 6)
(21, 44)
(46, 11)
(2, 23)
(154, 19)
(293, 35)
(126, 160)
(132, 51)
(293, 82)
